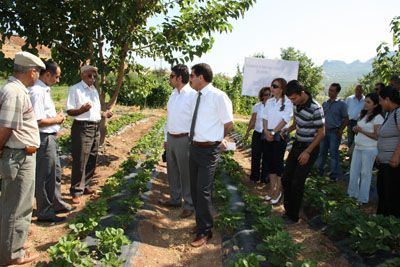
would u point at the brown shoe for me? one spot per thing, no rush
(186, 213)
(89, 191)
(201, 239)
(193, 230)
(28, 257)
(76, 200)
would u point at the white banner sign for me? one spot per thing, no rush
(259, 72)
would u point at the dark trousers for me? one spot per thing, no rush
(47, 170)
(350, 133)
(85, 137)
(258, 156)
(388, 186)
(294, 177)
(275, 151)
(202, 164)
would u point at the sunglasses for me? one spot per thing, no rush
(275, 86)
(93, 76)
(266, 94)
(172, 75)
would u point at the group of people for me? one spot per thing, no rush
(199, 117)
(373, 141)
(29, 161)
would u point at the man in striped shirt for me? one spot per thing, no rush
(309, 124)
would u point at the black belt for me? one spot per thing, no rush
(205, 144)
(49, 133)
(28, 150)
(179, 135)
(87, 122)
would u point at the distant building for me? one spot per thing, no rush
(13, 45)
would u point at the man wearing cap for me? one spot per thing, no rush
(83, 104)
(19, 140)
(48, 168)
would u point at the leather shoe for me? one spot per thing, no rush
(89, 191)
(55, 219)
(201, 239)
(65, 209)
(28, 257)
(186, 213)
(193, 230)
(76, 200)
(168, 203)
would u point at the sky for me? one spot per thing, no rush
(345, 30)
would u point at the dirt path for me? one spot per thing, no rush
(165, 237)
(115, 150)
(316, 246)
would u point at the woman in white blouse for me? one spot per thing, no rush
(277, 115)
(257, 143)
(365, 149)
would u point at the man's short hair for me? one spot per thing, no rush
(294, 87)
(23, 69)
(337, 86)
(51, 67)
(380, 85)
(205, 70)
(181, 71)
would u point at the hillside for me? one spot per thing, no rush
(343, 73)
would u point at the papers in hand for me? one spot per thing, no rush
(231, 146)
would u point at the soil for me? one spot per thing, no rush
(115, 150)
(164, 237)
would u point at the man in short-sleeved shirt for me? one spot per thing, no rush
(336, 119)
(19, 140)
(48, 168)
(309, 126)
(212, 121)
(355, 103)
(83, 105)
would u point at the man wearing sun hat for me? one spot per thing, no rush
(83, 105)
(19, 140)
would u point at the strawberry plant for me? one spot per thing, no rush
(110, 240)
(247, 260)
(69, 252)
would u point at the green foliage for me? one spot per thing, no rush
(387, 62)
(229, 221)
(280, 248)
(115, 125)
(247, 260)
(111, 35)
(376, 233)
(309, 74)
(110, 240)
(69, 252)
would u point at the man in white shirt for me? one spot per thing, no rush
(48, 168)
(179, 118)
(355, 103)
(212, 121)
(83, 105)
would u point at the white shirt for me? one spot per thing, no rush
(80, 94)
(354, 106)
(215, 109)
(273, 114)
(361, 140)
(43, 105)
(180, 110)
(258, 109)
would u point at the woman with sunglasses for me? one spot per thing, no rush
(257, 143)
(277, 114)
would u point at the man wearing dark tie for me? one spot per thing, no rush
(212, 121)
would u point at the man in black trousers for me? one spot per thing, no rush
(309, 124)
(212, 121)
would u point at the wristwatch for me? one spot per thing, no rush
(272, 132)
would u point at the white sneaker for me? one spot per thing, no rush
(276, 200)
(268, 198)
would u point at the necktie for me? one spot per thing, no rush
(194, 117)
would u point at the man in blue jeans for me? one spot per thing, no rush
(336, 119)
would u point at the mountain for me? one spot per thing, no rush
(343, 73)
